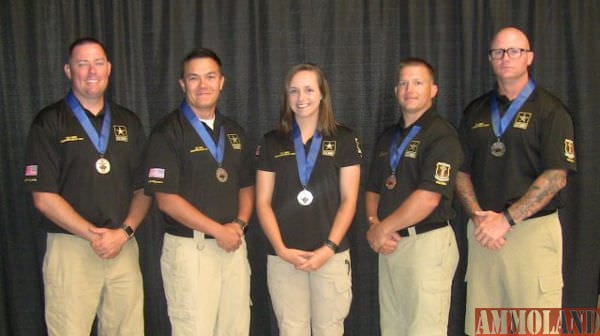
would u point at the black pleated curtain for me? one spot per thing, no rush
(358, 44)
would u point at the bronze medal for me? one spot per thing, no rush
(102, 166)
(222, 175)
(390, 182)
(498, 149)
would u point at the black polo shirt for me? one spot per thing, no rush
(540, 137)
(61, 159)
(429, 162)
(307, 227)
(178, 162)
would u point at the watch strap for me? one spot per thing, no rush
(128, 230)
(243, 224)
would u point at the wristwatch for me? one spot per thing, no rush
(241, 223)
(128, 230)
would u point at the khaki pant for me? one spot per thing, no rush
(78, 285)
(525, 273)
(303, 300)
(415, 284)
(207, 288)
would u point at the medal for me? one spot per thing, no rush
(396, 151)
(501, 123)
(305, 197)
(103, 166)
(99, 140)
(221, 174)
(305, 162)
(216, 149)
(498, 149)
(390, 182)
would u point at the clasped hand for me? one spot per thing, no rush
(490, 229)
(307, 261)
(230, 237)
(107, 243)
(379, 241)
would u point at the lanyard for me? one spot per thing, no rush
(100, 142)
(304, 162)
(397, 150)
(501, 124)
(216, 150)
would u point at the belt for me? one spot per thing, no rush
(422, 228)
(179, 234)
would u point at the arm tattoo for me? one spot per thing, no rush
(540, 193)
(466, 193)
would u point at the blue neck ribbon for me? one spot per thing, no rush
(216, 150)
(100, 141)
(501, 124)
(304, 162)
(396, 149)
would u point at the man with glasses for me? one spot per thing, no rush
(519, 148)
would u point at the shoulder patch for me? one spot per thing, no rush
(442, 173)
(569, 151)
(358, 148)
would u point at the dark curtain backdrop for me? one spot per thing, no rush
(358, 44)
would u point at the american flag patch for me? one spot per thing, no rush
(31, 170)
(156, 173)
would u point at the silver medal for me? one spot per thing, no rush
(102, 166)
(305, 197)
(498, 149)
(222, 175)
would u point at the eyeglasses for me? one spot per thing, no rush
(498, 54)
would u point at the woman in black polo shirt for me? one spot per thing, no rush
(307, 188)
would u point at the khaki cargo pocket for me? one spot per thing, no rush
(436, 297)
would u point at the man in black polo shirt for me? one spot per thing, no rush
(408, 205)
(82, 167)
(200, 171)
(519, 146)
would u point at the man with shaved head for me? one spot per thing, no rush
(519, 147)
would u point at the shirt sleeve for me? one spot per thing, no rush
(463, 135)
(139, 145)
(162, 162)
(443, 157)
(247, 168)
(350, 150)
(42, 157)
(377, 164)
(264, 157)
(558, 140)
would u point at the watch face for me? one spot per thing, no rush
(128, 230)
